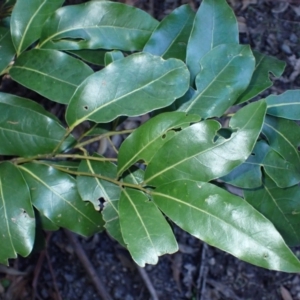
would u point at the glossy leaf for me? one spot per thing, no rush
(284, 137)
(25, 129)
(17, 222)
(99, 188)
(248, 175)
(112, 56)
(170, 37)
(143, 143)
(54, 194)
(207, 156)
(280, 206)
(95, 57)
(146, 232)
(27, 21)
(53, 74)
(98, 24)
(286, 105)
(7, 50)
(131, 86)
(225, 221)
(225, 73)
(214, 24)
(45, 223)
(260, 80)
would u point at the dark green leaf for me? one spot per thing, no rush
(53, 74)
(97, 24)
(170, 37)
(7, 50)
(25, 130)
(145, 230)
(195, 153)
(280, 206)
(131, 86)
(95, 57)
(99, 188)
(54, 194)
(225, 73)
(225, 221)
(284, 137)
(45, 223)
(214, 24)
(143, 143)
(248, 175)
(260, 79)
(27, 21)
(112, 56)
(17, 222)
(286, 105)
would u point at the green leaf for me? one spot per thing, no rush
(286, 105)
(131, 86)
(225, 221)
(280, 206)
(112, 56)
(25, 129)
(284, 137)
(45, 223)
(207, 156)
(17, 222)
(99, 188)
(214, 24)
(145, 230)
(54, 194)
(248, 175)
(27, 21)
(143, 143)
(260, 80)
(7, 50)
(225, 73)
(97, 24)
(95, 57)
(53, 74)
(171, 36)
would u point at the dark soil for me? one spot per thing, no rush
(197, 271)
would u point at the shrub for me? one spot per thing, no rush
(207, 132)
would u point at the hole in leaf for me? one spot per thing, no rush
(86, 107)
(101, 203)
(163, 136)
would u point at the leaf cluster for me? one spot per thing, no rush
(103, 62)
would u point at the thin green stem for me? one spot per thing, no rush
(68, 132)
(116, 182)
(99, 137)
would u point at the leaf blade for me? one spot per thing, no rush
(7, 50)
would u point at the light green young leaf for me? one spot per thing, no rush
(25, 130)
(207, 156)
(27, 21)
(95, 57)
(97, 24)
(146, 232)
(260, 80)
(225, 221)
(248, 175)
(225, 73)
(280, 206)
(286, 105)
(214, 24)
(284, 137)
(53, 74)
(7, 49)
(143, 143)
(55, 195)
(99, 188)
(131, 86)
(170, 37)
(112, 56)
(17, 222)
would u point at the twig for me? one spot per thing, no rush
(148, 283)
(88, 266)
(201, 281)
(53, 276)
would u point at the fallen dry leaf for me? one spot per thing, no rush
(285, 294)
